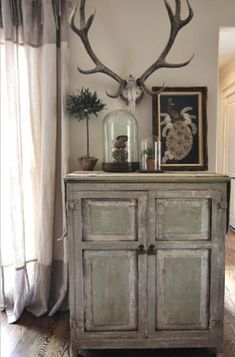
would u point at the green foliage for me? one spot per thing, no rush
(83, 104)
(149, 152)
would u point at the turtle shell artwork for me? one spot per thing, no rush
(178, 129)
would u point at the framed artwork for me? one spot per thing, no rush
(180, 122)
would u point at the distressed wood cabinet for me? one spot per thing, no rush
(146, 260)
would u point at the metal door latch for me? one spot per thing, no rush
(152, 250)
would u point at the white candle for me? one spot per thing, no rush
(155, 155)
(159, 154)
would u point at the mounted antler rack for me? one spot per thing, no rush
(132, 90)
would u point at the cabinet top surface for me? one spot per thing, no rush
(101, 176)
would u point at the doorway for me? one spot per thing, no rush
(226, 120)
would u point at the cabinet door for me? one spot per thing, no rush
(182, 288)
(108, 270)
(185, 276)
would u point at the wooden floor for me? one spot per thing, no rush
(39, 337)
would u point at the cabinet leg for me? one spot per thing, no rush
(219, 352)
(73, 351)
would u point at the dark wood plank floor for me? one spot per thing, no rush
(49, 336)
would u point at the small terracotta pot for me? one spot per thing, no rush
(150, 164)
(87, 163)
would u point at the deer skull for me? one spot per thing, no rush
(132, 93)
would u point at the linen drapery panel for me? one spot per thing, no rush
(34, 155)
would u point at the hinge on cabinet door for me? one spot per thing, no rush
(73, 324)
(72, 205)
(220, 203)
(215, 323)
(223, 205)
(219, 200)
(83, 267)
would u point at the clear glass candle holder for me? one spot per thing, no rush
(150, 155)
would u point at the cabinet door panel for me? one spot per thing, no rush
(182, 219)
(182, 288)
(110, 219)
(112, 216)
(110, 290)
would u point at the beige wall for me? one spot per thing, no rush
(128, 35)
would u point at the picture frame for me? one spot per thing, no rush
(180, 122)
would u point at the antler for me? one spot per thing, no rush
(176, 25)
(132, 90)
(83, 34)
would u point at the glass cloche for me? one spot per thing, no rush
(120, 133)
(150, 155)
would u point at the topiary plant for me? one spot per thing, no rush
(82, 106)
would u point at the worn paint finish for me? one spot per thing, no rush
(135, 177)
(109, 219)
(147, 287)
(183, 219)
(110, 290)
(182, 289)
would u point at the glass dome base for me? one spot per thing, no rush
(120, 166)
(151, 171)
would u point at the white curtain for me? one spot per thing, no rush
(34, 156)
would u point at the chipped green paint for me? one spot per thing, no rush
(110, 220)
(110, 288)
(182, 278)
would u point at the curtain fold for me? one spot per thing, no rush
(34, 155)
(33, 22)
